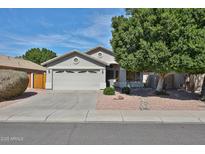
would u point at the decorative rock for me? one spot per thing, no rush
(12, 83)
(119, 97)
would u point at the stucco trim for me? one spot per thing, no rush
(74, 52)
(90, 51)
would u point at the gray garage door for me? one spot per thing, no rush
(76, 80)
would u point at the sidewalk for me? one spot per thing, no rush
(109, 116)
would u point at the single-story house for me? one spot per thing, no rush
(91, 70)
(36, 73)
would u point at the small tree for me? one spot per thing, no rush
(39, 56)
(160, 40)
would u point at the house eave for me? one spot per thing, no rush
(92, 49)
(72, 52)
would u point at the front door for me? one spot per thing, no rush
(109, 75)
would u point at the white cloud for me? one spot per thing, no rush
(10, 50)
(45, 23)
(17, 42)
(97, 32)
(99, 28)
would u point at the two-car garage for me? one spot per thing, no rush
(81, 79)
(75, 71)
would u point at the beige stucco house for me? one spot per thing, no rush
(91, 70)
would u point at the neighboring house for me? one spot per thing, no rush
(36, 73)
(92, 70)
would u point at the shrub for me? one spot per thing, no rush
(109, 91)
(203, 98)
(161, 93)
(126, 90)
(12, 83)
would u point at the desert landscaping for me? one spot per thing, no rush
(145, 99)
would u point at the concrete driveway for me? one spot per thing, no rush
(50, 104)
(80, 106)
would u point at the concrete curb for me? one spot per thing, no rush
(87, 122)
(106, 116)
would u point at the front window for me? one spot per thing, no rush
(109, 74)
(133, 76)
(117, 75)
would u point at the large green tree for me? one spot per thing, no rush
(38, 55)
(160, 40)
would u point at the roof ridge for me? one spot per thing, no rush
(12, 62)
(93, 57)
(110, 51)
(66, 54)
(57, 57)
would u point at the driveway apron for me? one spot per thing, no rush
(43, 105)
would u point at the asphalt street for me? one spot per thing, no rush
(101, 133)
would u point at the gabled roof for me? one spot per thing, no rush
(19, 63)
(72, 52)
(99, 47)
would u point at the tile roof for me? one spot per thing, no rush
(19, 63)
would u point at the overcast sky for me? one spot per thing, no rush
(60, 30)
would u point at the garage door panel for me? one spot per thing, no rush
(76, 80)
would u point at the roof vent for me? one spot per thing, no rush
(76, 60)
(100, 54)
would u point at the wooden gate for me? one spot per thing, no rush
(39, 81)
